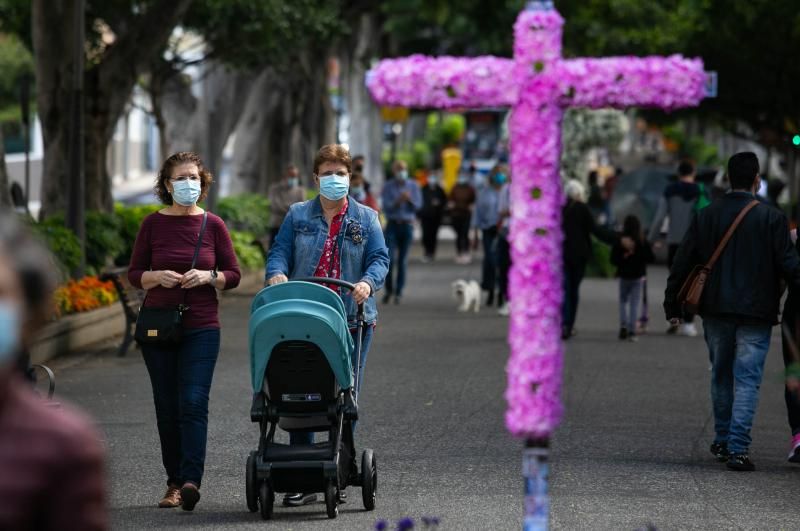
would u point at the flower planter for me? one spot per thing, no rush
(76, 332)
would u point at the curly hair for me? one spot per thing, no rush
(333, 153)
(165, 173)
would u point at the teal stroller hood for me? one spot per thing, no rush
(300, 311)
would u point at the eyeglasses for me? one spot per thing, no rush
(340, 173)
(192, 177)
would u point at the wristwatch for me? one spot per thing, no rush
(214, 276)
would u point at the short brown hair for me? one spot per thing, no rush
(333, 153)
(165, 173)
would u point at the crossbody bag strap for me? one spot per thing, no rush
(721, 246)
(199, 244)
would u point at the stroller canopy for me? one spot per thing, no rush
(300, 311)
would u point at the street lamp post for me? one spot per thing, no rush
(76, 206)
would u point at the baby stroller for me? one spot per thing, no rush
(303, 380)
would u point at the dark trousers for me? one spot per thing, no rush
(461, 226)
(792, 322)
(503, 265)
(672, 249)
(307, 437)
(573, 276)
(398, 240)
(430, 234)
(181, 378)
(489, 269)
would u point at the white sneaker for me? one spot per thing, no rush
(688, 329)
(504, 310)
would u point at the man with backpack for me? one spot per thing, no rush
(739, 302)
(678, 202)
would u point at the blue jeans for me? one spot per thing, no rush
(398, 240)
(630, 295)
(181, 377)
(737, 354)
(307, 437)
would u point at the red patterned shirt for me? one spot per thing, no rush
(329, 263)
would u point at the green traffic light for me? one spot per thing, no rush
(796, 140)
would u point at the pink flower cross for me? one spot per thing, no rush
(538, 84)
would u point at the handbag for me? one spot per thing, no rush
(692, 290)
(164, 325)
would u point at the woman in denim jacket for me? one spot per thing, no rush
(332, 236)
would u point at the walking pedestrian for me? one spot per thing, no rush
(791, 357)
(503, 246)
(169, 242)
(52, 474)
(486, 217)
(579, 226)
(401, 200)
(740, 301)
(434, 201)
(283, 195)
(360, 191)
(631, 266)
(678, 202)
(330, 236)
(462, 200)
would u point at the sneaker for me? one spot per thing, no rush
(688, 330)
(189, 496)
(504, 310)
(794, 455)
(171, 499)
(426, 259)
(297, 499)
(720, 451)
(623, 333)
(632, 337)
(397, 299)
(740, 463)
(673, 329)
(641, 328)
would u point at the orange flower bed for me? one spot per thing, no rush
(88, 293)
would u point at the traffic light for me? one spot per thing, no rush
(796, 140)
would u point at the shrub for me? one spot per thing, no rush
(129, 219)
(245, 212)
(62, 242)
(83, 295)
(249, 254)
(103, 241)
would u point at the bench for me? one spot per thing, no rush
(131, 299)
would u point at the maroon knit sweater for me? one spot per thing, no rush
(168, 242)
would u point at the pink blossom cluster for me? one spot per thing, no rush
(443, 82)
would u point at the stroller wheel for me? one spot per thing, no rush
(250, 484)
(369, 479)
(331, 500)
(266, 498)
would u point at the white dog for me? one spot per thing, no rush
(468, 293)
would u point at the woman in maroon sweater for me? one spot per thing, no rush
(181, 374)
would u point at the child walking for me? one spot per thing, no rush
(632, 270)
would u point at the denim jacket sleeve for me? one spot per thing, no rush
(376, 256)
(281, 254)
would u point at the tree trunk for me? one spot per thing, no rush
(108, 86)
(5, 194)
(366, 127)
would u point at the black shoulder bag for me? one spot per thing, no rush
(163, 325)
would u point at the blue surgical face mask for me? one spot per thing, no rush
(500, 178)
(186, 192)
(402, 174)
(292, 182)
(9, 332)
(334, 187)
(356, 191)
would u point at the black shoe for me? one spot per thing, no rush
(740, 463)
(720, 451)
(566, 333)
(342, 496)
(623, 333)
(296, 499)
(490, 299)
(397, 299)
(386, 297)
(189, 497)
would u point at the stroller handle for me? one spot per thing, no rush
(334, 282)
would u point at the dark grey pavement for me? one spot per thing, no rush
(632, 448)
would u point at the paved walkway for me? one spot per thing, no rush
(632, 449)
